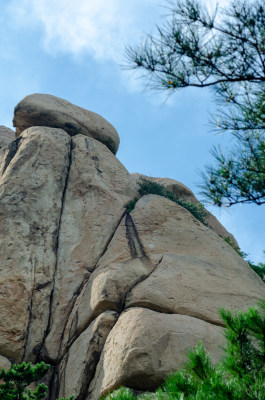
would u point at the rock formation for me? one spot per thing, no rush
(106, 297)
(47, 110)
(6, 136)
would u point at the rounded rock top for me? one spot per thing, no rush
(51, 111)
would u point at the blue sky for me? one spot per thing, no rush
(74, 49)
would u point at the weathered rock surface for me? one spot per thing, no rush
(4, 363)
(78, 366)
(145, 346)
(187, 246)
(6, 136)
(183, 193)
(33, 175)
(107, 297)
(98, 189)
(47, 110)
(163, 259)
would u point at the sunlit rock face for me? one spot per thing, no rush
(107, 297)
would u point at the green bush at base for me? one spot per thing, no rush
(17, 379)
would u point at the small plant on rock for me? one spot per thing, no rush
(148, 187)
(130, 206)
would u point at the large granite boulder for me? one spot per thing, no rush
(47, 110)
(107, 297)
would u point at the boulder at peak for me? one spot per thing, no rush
(47, 110)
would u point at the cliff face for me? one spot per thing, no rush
(106, 297)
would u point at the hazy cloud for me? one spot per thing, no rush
(101, 28)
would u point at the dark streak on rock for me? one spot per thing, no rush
(12, 149)
(137, 251)
(53, 384)
(86, 393)
(90, 366)
(141, 279)
(61, 378)
(30, 315)
(134, 242)
(42, 285)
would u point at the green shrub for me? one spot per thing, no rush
(148, 187)
(121, 394)
(130, 206)
(240, 375)
(17, 379)
(259, 269)
(236, 248)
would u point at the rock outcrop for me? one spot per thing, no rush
(47, 110)
(107, 297)
(7, 136)
(183, 193)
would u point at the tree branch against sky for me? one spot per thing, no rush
(224, 51)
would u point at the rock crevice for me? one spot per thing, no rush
(56, 245)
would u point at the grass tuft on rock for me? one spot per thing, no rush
(148, 187)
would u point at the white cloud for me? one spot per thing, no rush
(101, 28)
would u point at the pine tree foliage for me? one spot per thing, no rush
(224, 51)
(240, 375)
(19, 377)
(15, 381)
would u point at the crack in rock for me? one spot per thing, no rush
(56, 244)
(76, 296)
(30, 314)
(142, 279)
